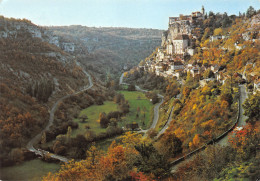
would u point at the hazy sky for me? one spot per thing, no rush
(116, 13)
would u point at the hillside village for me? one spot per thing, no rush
(173, 57)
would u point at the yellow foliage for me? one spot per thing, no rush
(180, 133)
(218, 31)
(196, 140)
(211, 123)
(131, 139)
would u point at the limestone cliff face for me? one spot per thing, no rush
(175, 29)
(14, 28)
(164, 38)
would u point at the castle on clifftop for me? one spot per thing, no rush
(180, 34)
(177, 43)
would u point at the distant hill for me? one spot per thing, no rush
(111, 49)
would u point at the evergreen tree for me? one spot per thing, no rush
(250, 12)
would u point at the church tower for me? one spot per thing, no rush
(203, 10)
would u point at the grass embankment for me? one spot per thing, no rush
(92, 113)
(164, 113)
(141, 109)
(32, 170)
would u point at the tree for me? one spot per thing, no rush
(250, 12)
(103, 120)
(93, 155)
(218, 31)
(151, 161)
(131, 87)
(131, 139)
(17, 155)
(211, 14)
(69, 134)
(245, 142)
(114, 165)
(251, 107)
(83, 118)
(170, 145)
(152, 133)
(206, 34)
(43, 138)
(154, 98)
(58, 148)
(196, 140)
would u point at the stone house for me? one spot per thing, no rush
(194, 71)
(178, 65)
(180, 43)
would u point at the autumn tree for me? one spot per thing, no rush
(93, 155)
(103, 120)
(218, 31)
(251, 107)
(170, 145)
(150, 161)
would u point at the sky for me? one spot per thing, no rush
(115, 13)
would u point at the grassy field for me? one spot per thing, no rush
(92, 113)
(32, 170)
(137, 99)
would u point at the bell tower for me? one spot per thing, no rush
(203, 10)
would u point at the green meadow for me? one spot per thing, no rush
(32, 170)
(141, 112)
(141, 109)
(92, 113)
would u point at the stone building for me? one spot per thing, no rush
(180, 43)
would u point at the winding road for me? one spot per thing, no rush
(37, 138)
(242, 118)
